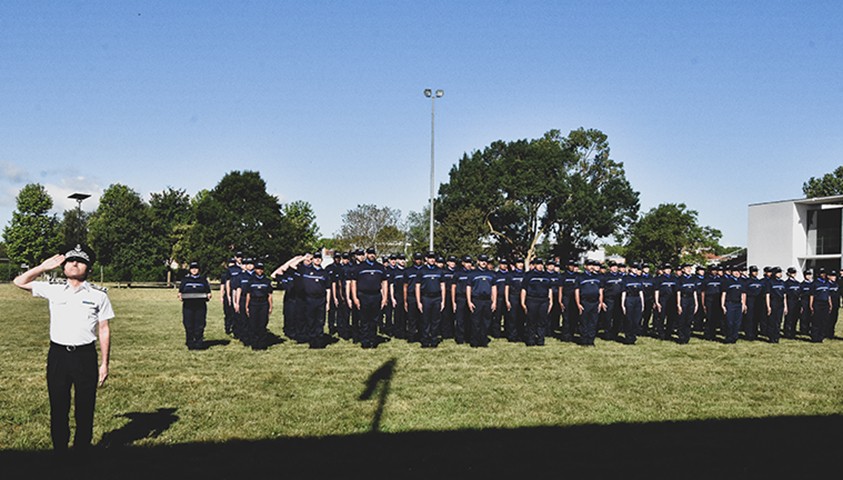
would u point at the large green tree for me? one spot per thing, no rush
(671, 233)
(825, 186)
(33, 233)
(372, 226)
(239, 215)
(121, 233)
(172, 215)
(566, 189)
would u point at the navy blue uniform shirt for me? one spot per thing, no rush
(537, 284)
(481, 282)
(589, 284)
(369, 276)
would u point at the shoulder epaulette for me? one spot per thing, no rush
(98, 287)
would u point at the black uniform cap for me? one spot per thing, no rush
(80, 253)
(393, 256)
(832, 273)
(467, 259)
(239, 254)
(791, 270)
(317, 254)
(775, 270)
(345, 255)
(518, 260)
(337, 255)
(439, 259)
(753, 268)
(504, 261)
(666, 266)
(401, 256)
(452, 258)
(483, 258)
(808, 272)
(572, 262)
(417, 256)
(371, 250)
(193, 265)
(259, 266)
(821, 271)
(430, 254)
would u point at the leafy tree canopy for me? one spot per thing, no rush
(825, 186)
(670, 233)
(33, 233)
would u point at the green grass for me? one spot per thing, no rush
(229, 392)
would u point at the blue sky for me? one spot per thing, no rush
(714, 104)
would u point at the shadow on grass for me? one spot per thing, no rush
(215, 343)
(382, 376)
(776, 447)
(141, 425)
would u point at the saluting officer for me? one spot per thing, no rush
(430, 300)
(482, 301)
(369, 294)
(537, 300)
(194, 293)
(589, 299)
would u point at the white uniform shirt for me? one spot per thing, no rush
(74, 313)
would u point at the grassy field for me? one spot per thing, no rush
(160, 397)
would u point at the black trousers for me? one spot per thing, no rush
(77, 369)
(805, 318)
(794, 308)
(228, 315)
(343, 320)
(314, 311)
(497, 317)
(570, 315)
(819, 320)
(370, 311)
(606, 318)
(632, 324)
(750, 320)
(480, 317)
(258, 320)
(241, 323)
(514, 320)
(686, 319)
(431, 316)
(289, 308)
(831, 324)
(447, 323)
(413, 319)
(536, 325)
(399, 318)
(647, 314)
(588, 321)
(386, 323)
(699, 318)
(774, 321)
(332, 317)
(733, 321)
(461, 320)
(665, 318)
(194, 314)
(713, 317)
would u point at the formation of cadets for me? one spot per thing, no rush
(369, 300)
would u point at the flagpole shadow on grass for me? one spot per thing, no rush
(382, 376)
(141, 425)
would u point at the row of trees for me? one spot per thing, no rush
(139, 240)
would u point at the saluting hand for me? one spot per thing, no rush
(53, 262)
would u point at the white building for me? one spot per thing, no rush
(804, 233)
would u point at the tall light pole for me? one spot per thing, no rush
(429, 93)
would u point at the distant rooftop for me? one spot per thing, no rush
(835, 199)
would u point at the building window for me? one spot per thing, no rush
(824, 232)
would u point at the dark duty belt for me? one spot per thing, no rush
(73, 348)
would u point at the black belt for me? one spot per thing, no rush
(376, 292)
(432, 295)
(318, 295)
(74, 348)
(537, 297)
(687, 295)
(482, 297)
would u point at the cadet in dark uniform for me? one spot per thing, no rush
(648, 285)
(259, 307)
(515, 317)
(712, 288)
(232, 283)
(225, 298)
(391, 268)
(286, 274)
(396, 291)
(241, 321)
(536, 299)
(834, 293)
(316, 286)
(609, 321)
(805, 290)
(369, 294)
(501, 276)
(793, 305)
(733, 302)
(589, 299)
(755, 301)
(447, 324)
(344, 308)
(359, 258)
(666, 306)
(775, 305)
(430, 300)
(820, 305)
(411, 302)
(462, 314)
(551, 269)
(194, 293)
(632, 302)
(335, 272)
(686, 301)
(482, 301)
(699, 315)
